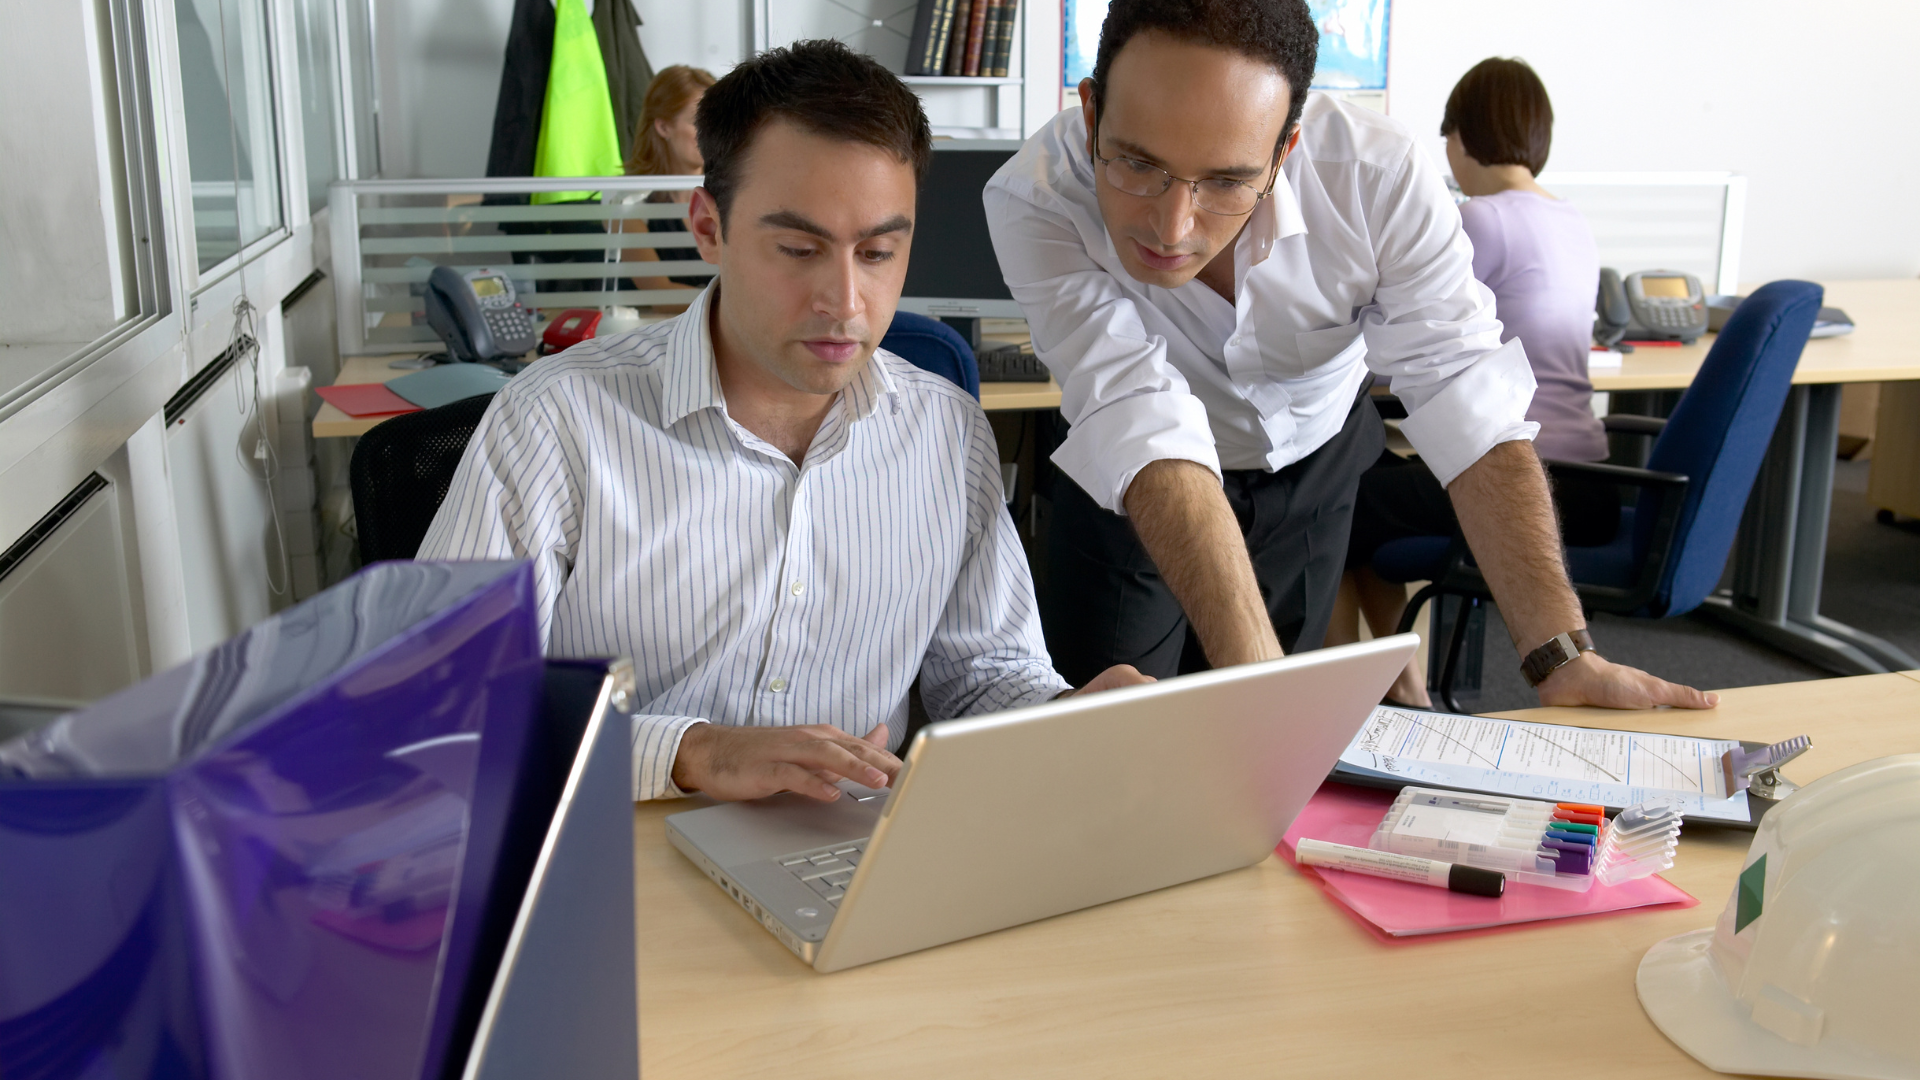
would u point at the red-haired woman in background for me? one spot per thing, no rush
(665, 144)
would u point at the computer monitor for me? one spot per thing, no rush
(953, 273)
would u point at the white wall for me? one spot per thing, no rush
(1816, 103)
(439, 67)
(712, 34)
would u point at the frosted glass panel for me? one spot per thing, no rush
(1652, 226)
(227, 91)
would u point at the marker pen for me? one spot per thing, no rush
(1386, 864)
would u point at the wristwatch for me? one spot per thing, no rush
(1561, 649)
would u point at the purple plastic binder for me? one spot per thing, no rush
(278, 859)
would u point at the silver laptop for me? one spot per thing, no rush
(1003, 819)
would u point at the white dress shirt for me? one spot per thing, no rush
(748, 589)
(1357, 261)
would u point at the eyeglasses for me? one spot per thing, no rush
(1215, 194)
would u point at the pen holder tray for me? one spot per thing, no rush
(1556, 845)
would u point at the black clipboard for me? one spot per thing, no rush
(1344, 773)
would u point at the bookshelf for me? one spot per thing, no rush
(966, 107)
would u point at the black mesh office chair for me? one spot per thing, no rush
(401, 471)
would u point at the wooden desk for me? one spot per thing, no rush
(1012, 396)
(331, 423)
(1884, 347)
(1251, 973)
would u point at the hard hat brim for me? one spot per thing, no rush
(1686, 997)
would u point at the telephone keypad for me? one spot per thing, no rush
(509, 324)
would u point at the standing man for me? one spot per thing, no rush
(1214, 264)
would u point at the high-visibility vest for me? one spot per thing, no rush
(577, 135)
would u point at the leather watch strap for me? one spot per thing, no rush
(1560, 649)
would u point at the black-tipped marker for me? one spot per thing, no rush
(1461, 879)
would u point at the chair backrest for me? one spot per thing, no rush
(401, 471)
(1718, 436)
(932, 345)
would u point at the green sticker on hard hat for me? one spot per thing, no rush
(1752, 883)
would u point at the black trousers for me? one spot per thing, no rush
(1106, 603)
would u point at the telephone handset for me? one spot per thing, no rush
(478, 315)
(1651, 305)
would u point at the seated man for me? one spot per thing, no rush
(779, 523)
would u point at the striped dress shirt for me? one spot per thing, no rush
(749, 590)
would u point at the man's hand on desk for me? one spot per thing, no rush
(1594, 680)
(1113, 678)
(753, 762)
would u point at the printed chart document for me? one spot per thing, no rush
(1546, 761)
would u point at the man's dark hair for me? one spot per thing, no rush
(1501, 111)
(1277, 32)
(823, 87)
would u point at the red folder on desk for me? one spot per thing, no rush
(365, 399)
(1343, 814)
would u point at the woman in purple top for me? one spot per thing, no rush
(1537, 255)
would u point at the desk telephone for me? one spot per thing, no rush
(1651, 305)
(478, 315)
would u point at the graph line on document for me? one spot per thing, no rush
(1575, 753)
(1677, 770)
(1491, 764)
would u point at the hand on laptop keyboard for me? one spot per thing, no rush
(752, 762)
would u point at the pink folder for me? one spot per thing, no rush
(365, 399)
(1343, 814)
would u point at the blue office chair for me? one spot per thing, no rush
(1671, 546)
(932, 345)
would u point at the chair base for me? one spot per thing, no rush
(1831, 644)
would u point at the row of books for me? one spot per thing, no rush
(962, 37)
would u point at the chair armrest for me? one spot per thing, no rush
(1634, 425)
(1670, 492)
(1616, 474)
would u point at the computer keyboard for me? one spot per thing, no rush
(1010, 363)
(826, 870)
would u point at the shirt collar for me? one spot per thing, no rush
(870, 387)
(1277, 217)
(691, 382)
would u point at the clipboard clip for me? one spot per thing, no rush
(1758, 771)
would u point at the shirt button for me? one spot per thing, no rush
(777, 685)
(1235, 342)
(798, 587)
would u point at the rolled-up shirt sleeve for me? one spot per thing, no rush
(1126, 404)
(1432, 329)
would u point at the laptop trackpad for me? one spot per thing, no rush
(733, 834)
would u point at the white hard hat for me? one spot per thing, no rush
(1814, 966)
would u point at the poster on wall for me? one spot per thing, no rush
(1353, 50)
(1353, 46)
(1082, 19)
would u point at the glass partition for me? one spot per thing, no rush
(314, 31)
(226, 88)
(626, 247)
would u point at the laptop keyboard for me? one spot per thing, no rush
(826, 870)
